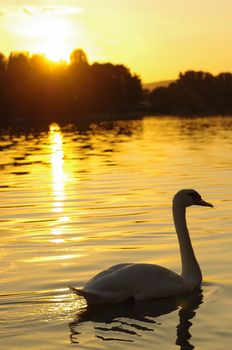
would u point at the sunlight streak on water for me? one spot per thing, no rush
(53, 258)
(58, 175)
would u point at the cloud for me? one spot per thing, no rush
(62, 10)
(27, 11)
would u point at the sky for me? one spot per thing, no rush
(156, 39)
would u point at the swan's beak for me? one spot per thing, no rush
(205, 204)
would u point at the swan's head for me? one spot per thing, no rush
(186, 198)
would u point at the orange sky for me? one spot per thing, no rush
(155, 38)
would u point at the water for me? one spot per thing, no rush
(76, 200)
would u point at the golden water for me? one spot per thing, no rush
(76, 200)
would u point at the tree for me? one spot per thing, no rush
(33, 88)
(78, 57)
(194, 93)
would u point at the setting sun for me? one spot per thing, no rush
(50, 36)
(54, 50)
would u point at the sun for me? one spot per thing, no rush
(54, 49)
(51, 37)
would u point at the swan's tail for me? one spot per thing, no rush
(90, 297)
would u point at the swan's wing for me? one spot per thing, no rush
(142, 281)
(106, 273)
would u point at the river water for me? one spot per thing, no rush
(75, 200)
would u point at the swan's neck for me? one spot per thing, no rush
(190, 266)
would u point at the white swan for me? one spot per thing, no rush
(129, 281)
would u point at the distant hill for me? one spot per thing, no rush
(152, 86)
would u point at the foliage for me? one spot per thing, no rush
(194, 93)
(34, 89)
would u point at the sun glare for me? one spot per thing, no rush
(54, 50)
(50, 37)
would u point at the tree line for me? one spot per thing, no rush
(194, 93)
(34, 89)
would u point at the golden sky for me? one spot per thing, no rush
(155, 38)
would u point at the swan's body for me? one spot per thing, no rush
(145, 281)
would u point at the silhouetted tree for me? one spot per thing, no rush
(78, 57)
(2, 81)
(17, 84)
(79, 81)
(35, 89)
(194, 93)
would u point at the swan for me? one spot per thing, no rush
(140, 281)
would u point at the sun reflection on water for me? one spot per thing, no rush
(58, 175)
(59, 179)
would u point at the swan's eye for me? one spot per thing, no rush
(195, 197)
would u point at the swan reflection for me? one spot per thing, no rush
(122, 322)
